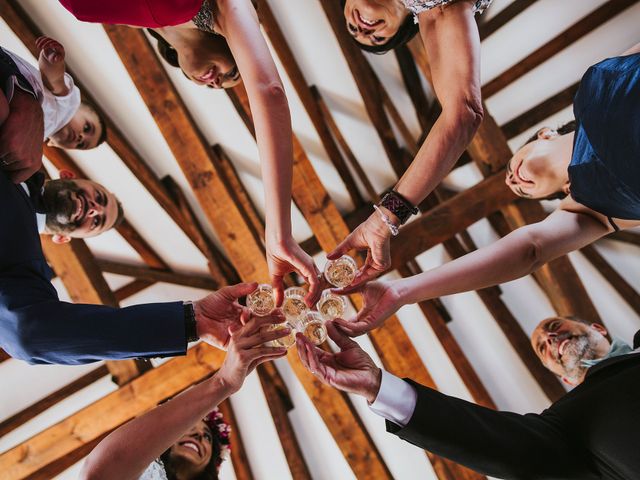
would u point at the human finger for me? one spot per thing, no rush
(278, 288)
(238, 290)
(339, 337)
(265, 358)
(315, 367)
(263, 336)
(353, 328)
(315, 287)
(255, 325)
(365, 275)
(343, 247)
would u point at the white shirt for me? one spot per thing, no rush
(41, 218)
(57, 111)
(396, 400)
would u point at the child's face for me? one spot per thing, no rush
(82, 132)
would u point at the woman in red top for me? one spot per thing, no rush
(216, 42)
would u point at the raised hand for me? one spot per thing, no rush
(374, 236)
(286, 257)
(220, 310)
(51, 64)
(246, 348)
(381, 300)
(350, 370)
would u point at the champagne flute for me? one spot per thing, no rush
(312, 326)
(331, 305)
(294, 306)
(262, 301)
(341, 272)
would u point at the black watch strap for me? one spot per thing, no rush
(191, 331)
(398, 205)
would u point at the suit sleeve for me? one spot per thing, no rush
(73, 334)
(499, 444)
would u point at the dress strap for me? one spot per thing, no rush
(203, 20)
(613, 224)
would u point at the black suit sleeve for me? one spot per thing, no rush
(500, 444)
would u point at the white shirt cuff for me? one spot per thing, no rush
(396, 400)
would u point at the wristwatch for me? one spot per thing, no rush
(190, 326)
(398, 205)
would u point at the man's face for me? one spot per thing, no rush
(561, 344)
(78, 208)
(82, 132)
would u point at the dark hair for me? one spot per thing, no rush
(405, 32)
(103, 124)
(120, 217)
(211, 470)
(166, 51)
(562, 130)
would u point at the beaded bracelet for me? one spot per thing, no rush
(387, 221)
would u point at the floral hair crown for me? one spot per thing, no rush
(222, 434)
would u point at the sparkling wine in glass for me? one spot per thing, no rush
(285, 341)
(331, 305)
(261, 301)
(293, 305)
(341, 272)
(312, 327)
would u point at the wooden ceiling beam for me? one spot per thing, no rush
(504, 16)
(239, 457)
(35, 457)
(279, 42)
(390, 341)
(626, 237)
(153, 275)
(28, 32)
(540, 112)
(75, 265)
(4, 355)
(561, 41)
(23, 416)
(241, 242)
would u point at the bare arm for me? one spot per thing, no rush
(511, 257)
(450, 36)
(51, 65)
(452, 44)
(129, 450)
(238, 21)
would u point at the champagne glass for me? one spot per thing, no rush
(293, 305)
(341, 272)
(262, 301)
(312, 326)
(285, 341)
(331, 305)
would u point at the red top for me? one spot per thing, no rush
(137, 13)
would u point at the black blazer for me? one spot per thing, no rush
(593, 432)
(37, 327)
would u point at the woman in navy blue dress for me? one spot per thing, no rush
(595, 165)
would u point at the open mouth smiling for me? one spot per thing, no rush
(193, 446)
(366, 22)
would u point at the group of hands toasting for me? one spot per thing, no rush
(266, 326)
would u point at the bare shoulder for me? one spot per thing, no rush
(570, 205)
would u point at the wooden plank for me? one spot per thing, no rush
(503, 17)
(280, 404)
(391, 341)
(239, 457)
(4, 355)
(156, 275)
(617, 281)
(189, 148)
(288, 60)
(371, 96)
(17, 19)
(413, 84)
(450, 217)
(540, 112)
(561, 41)
(23, 416)
(240, 241)
(130, 289)
(33, 458)
(626, 237)
(73, 262)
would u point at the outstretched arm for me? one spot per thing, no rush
(514, 256)
(239, 23)
(451, 41)
(127, 452)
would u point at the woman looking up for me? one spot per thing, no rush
(216, 42)
(597, 168)
(185, 438)
(451, 40)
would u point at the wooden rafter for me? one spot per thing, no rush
(508, 13)
(576, 31)
(239, 457)
(241, 243)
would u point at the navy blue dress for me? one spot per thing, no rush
(605, 165)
